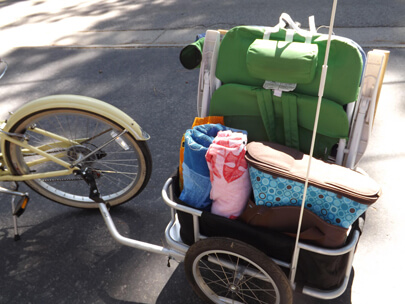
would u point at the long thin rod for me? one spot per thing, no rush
(318, 109)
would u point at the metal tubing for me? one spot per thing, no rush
(281, 263)
(196, 228)
(349, 248)
(172, 242)
(134, 243)
(27, 146)
(11, 192)
(194, 212)
(341, 151)
(326, 295)
(167, 195)
(174, 205)
(237, 269)
(333, 252)
(25, 177)
(364, 103)
(332, 294)
(98, 149)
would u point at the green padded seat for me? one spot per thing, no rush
(287, 120)
(344, 66)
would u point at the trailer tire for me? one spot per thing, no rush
(223, 270)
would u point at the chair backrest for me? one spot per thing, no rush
(266, 81)
(270, 86)
(344, 66)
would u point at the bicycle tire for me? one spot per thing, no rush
(222, 270)
(91, 130)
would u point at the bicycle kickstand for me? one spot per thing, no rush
(89, 178)
(16, 208)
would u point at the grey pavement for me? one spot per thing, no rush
(126, 53)
(128, 23)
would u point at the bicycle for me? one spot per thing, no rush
(52, 143)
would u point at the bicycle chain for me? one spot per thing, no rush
(62, 179)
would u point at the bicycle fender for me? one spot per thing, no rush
(82, 103)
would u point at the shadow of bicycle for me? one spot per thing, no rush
(71, 258)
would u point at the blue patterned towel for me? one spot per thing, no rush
(196, 175)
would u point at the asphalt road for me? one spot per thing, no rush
(66, 255)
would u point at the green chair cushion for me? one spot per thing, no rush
(288, 120)
(280, 61)
(344, 66)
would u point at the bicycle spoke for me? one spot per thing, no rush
(124, 174)
(222, 267)
(218, 282)
(256, 286)
(213, 272)
(97, 135)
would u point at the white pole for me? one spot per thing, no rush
(320, 94)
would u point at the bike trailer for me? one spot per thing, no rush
(305, 216)
(271, 82)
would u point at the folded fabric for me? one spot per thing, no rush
(197, 121)
(196, 175)
(228, 174)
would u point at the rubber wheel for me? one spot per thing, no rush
(222, 270)
(121, 166)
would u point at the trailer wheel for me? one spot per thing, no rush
(223, 270)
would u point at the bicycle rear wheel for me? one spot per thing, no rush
(122, 167)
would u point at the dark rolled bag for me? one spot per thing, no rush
(191, 55)
(314, 230)
(336, 195)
